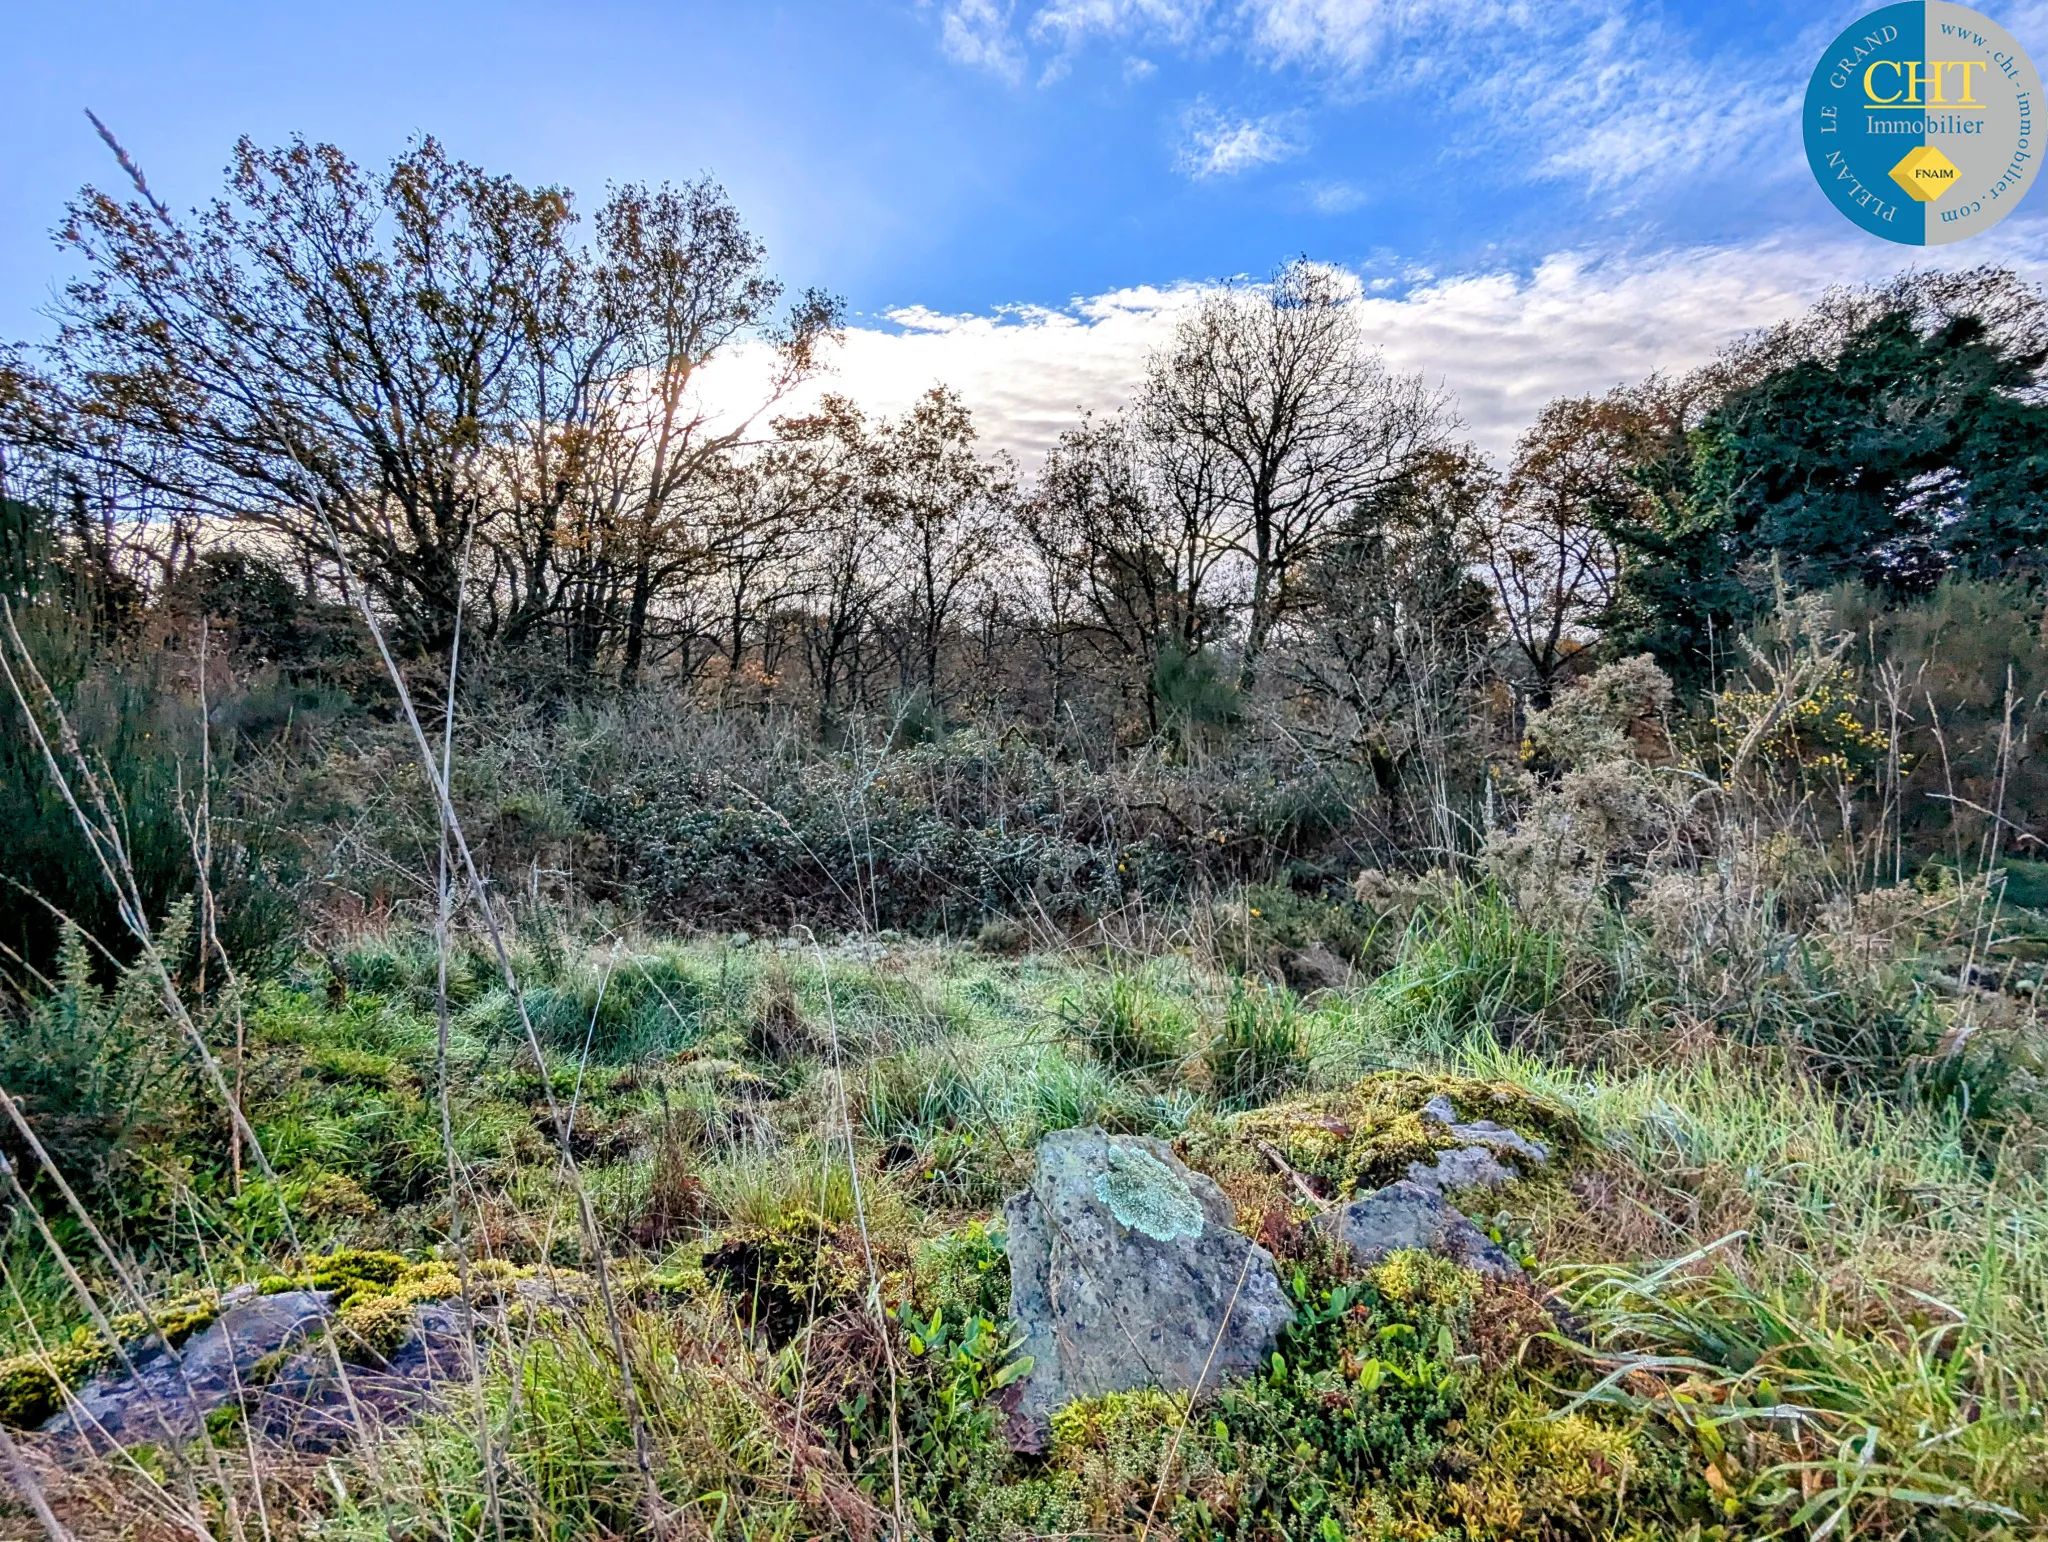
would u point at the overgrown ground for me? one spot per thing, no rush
(1800, 1241)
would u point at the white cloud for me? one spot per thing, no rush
(1501, 342)
(977, 33)
(1613, 112)
(1216, 145)
(1348, 36)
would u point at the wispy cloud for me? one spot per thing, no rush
(1613, 106)
(1071, 22)
(1344, 37)
(1621, 87)
(1216, 144)
(1337, 197)
(977, 33)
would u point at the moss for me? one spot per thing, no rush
(374, 1318)
(352, 1272)
(1363, 1137)
(265, 1370)
(1006, 1506)
(684, 1278)
(1113, 1423)
(32, 1386)
(320, 1195)
(224, 1422)
(375, 1292)
(1115, 1448)
(373, 1328)
(1537, 1472)
(176, 1320)
(1412, 1278)
(787, 1272)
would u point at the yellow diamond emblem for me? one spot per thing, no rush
(1925, 173)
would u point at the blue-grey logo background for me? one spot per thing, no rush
(1955, 80)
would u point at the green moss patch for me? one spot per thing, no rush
(1362, 1138)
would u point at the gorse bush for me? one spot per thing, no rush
(104, 1080)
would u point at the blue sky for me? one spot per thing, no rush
(933, 160)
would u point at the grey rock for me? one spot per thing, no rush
(1485, 1133)
(308, 1406)
(1406, 1215)
(1462, 1167)
(1314, 968)
(1126, 1271)
(269, 1354)
(173, 1389)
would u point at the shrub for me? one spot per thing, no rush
(104, 1080)
(786, 1274)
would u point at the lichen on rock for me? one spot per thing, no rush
(1146, 1195)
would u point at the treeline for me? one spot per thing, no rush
(438, 389)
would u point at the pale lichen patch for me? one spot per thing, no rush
(1146, 1195)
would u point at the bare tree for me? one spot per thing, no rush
(1301, 416)
(399, 376)
(680, 279)
(1398, 631)
(1552, 566)
(1130, 564)
(314, 340)
(826, 475)
(946, 507)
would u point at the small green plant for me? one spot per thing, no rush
(1262, 1049)
(102, 1078)
(966, 1272)
(949, 1423)
(1127, 1025)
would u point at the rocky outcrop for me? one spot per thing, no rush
(173, 1389)
(1413, 1212)
(1486, 1154)
(269, 1356)
(307, 1405)
(1126, 1271)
